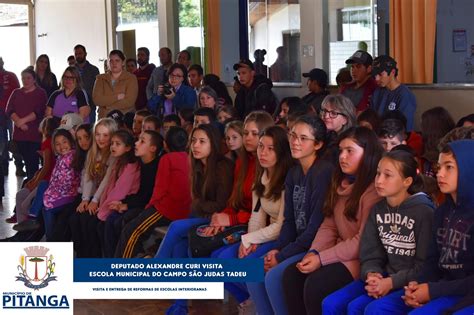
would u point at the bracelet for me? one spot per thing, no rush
(312, 250)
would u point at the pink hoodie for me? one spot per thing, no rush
(337, 239)
(127, 183)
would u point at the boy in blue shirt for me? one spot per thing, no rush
(391, 94)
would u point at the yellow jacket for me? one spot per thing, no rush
(105, 95)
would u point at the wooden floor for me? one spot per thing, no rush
(149, 307)
(110, 307)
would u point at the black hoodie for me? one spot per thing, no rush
(258, 97)
(449, 268)
(395, 241)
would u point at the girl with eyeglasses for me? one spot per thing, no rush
(332, 260)
(305, 187)
(175, 95)
(70, 98)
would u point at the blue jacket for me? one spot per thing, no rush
(185, 98)
(402, 99)
(449, 268)
(304, 200)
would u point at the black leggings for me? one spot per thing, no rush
(304, 293)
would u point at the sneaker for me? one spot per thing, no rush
(20, 173)
(247, 308)
(11, 219)
(28, 225)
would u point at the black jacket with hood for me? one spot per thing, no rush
(258, 97)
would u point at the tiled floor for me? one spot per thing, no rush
(109, 307)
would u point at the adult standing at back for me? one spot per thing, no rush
(175, 95)
(45, 79)
(159, 76)
(116, 89)
(26, 108)
(8, 83)
(70, 98)
(391, 94)
(88, 74)
(255, 92)
(184, 58)
(360, 90)
(317, 83)
(143, 73)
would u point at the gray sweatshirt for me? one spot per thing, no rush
(395, 241)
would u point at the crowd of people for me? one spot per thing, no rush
(352, 210)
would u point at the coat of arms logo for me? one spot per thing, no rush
(36, 268)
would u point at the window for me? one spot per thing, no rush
(190, 29)
(351, 27)
(356, 24)
(274, 39)
(14, 29)
(137, 26)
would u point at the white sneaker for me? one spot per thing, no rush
(247, 308)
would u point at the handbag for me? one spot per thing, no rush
(201, 245)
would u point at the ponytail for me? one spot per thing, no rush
(419, 184)
(408, 167)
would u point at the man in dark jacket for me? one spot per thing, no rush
(255, 92)
(88, 74)
(317, 83)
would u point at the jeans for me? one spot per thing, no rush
(49, 216)
(29, 152)
(175, 242)
(239, 290)
(268, 296)
(353, 299)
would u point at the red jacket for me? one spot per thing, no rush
(242, 216)
(8, 82)
(415, 141)
(143, 76)
(172, 192)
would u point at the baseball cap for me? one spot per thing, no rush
(244, 63)
(361, 57)
(70, 120)
(383, 63)
(318, 75)
(116, 115)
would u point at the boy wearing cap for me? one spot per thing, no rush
(391, 94)
(69, 122)
(317, 83)
(255, 92)
(360, 90)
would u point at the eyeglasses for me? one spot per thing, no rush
(301, 139)
(332, 113)
(175, 76)
(66, 77)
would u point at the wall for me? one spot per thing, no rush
(66, 24)
(229, 10)
(451, 15)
